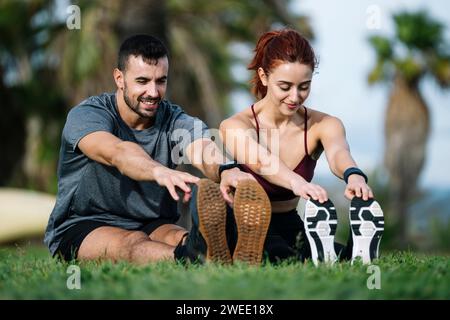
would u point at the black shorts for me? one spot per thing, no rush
(285, 237)
(74, 236)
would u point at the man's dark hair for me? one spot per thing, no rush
(148, 47)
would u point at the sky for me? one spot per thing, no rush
(340, 87)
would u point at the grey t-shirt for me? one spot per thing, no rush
(88, 190)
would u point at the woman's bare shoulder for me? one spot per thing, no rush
(322, 118)
(241, 119)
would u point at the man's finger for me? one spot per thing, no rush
(189, 178)
(187, 196)
(182, 185)
(172, 191)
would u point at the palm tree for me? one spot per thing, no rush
(27, 93)
(87, 55)
(198, 33)
(416, 52)
(74, 64)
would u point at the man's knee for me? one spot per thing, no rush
(170, 234)
(131, 244)
(110, 243)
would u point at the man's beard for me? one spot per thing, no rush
(135, 107)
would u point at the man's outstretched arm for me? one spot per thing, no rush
(132, 161)
(207, 157)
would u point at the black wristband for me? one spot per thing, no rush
(351, 171)
(227, 166)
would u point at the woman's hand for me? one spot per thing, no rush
(229, 181)
(308, 190)
(358, 187)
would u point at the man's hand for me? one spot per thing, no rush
(358, 187)
(171, 179)
(229, 180)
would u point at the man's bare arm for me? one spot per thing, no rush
(128, 157)
(131, 160)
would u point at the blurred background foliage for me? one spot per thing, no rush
(47, 68)
(416, 51)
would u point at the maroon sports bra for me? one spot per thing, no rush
(305, 169)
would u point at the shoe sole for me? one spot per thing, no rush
(320, 226)
(367, 225)
(212, 212)
(252, 211)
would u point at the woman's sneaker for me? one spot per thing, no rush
(320, 226)
(367, 225)
(252, 212)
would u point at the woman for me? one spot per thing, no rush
(279, 140)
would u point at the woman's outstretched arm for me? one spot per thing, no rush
(240, 142)
(332, 136)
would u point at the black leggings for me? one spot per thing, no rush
(285, 238)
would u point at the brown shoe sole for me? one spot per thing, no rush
(252, 211)
(212, 213)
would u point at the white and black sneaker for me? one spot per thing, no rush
(367, 225)
(320, 226)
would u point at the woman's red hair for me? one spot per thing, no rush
(276, 47)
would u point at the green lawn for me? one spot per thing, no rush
(30, 273)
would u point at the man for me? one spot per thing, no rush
(117, 188)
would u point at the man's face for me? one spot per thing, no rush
(145, 85)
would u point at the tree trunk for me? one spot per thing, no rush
(197, 92)
(150, 17)
(406, 132)
(12, 134)
(143, 17)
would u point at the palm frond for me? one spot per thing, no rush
(416, 50)
(418, 30)
(440, 70)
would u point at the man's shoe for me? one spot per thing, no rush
(207, 239)
(212, 213)
(367, 225)
(252, 212)
(320, 227)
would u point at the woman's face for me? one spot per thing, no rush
(288, 85)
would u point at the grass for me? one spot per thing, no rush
(30, 273)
